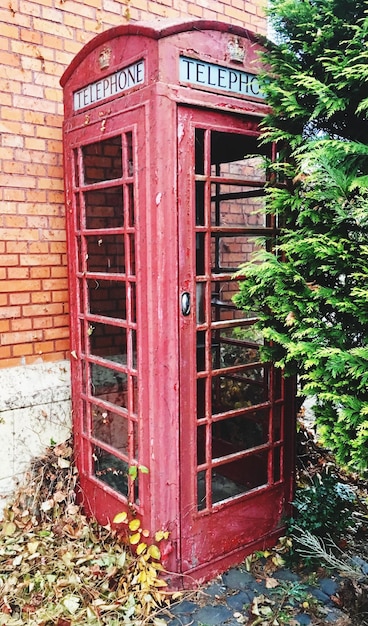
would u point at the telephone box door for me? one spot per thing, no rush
(235, 452)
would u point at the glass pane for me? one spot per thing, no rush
(201, 397)
(110, 428)
(237, 477)
(200, 303)
(77, 211)
(134, 349)
(237, 205)
(230, 251)
(131, 261)
(199, 150)
(201, 445)
(75, 167)
(201, 491)
(201, 354)
(130, 205)
(106, 253)
(229, 351)
(107, 297)
(102, 160)
(109, 342)
(238, 391)
(277, 422)
(200, 215)
(200, 253)
(129, 146)
(135, 395)
(104, 208)
(223, 308)
(232, 156)
(133, 302)
(276, 464)
(110, 470)
(109, 385)
(239, 433)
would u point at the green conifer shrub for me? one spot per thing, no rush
(311, 287)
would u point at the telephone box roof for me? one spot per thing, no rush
(159, 30)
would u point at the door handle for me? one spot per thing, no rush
(185, 303)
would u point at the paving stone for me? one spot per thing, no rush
(333, 616)
(239, 600)
(361, 563)
(184, 607)
(237, 579)
(286, 575)
(213, 615)
(320, 595)
(183, 620)
(303, 619)
(215, 590)
(328, 586)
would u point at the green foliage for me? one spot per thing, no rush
(311, 289)
(324, 507)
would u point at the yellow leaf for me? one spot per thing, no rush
(120, 518)
(177, 595)
(141, 547)
(9, 529)
(278, 560)
(160, 583)
(154, 552)
(32, 546)
(142, 577)
(134, 524)
(134, 539)
(161, 534)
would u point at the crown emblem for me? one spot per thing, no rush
(236, 51)
(104, 58)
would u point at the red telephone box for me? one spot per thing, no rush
(164, 198)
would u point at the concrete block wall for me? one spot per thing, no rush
(39, 39)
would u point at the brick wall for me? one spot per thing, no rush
(38, 41)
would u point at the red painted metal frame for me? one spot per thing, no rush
(237, 525)
(161, 115)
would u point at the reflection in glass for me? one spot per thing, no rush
(109, 384)
(229, 352)
(201, 490)
(105, 253)
(239, 433)
(237, 391)
(240, 476)
(110, 470)
(107, 297)
(228, 252)
(102, 160)
(104, 208)
(130, 162)
(237, 206)
(107, 341)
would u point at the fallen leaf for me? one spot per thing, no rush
(271, 583)
(9, 528)
(120, 518)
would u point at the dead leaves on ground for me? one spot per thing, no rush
(58, 568)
